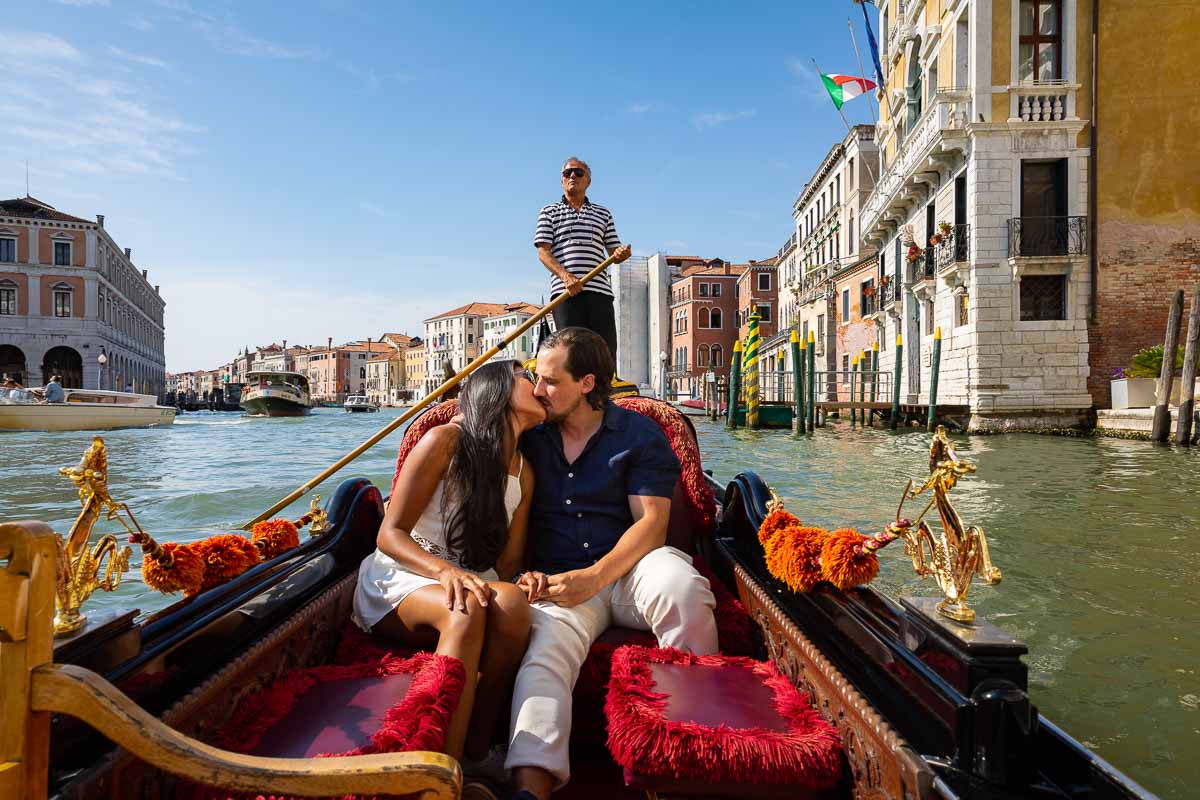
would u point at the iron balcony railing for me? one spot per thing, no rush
(1047, 236)
(887, 293)
(954, 248)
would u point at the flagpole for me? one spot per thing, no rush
(854, 43)
(846, 122)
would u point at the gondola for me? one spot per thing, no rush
(141, 706)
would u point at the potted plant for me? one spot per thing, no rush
(1136, 386)
(914, 253)
(944, 228)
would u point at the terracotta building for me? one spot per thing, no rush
(758, 290)
(703, 311)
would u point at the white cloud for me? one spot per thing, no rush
(640, 108)
(139, 24)
(148, 61)
(366, 76)
(372, 208)
(713, 119)
(102, 3)
(230, 37)
(40, 46)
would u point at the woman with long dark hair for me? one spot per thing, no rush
(453, 533)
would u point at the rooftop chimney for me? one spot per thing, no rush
(156, 288)
(100, 220)
(145, 273)
(128, 253)
(329, 343)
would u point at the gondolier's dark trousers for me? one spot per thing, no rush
(593, 311)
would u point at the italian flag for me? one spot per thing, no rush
(845, 87)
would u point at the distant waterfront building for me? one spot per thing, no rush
(497, 326)
(455, 338)
(334, 373)
(69, 293)
(704, 304)
(661, 271)
(414, 370)
(379, 383)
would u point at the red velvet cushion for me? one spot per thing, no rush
(381, 703)
(673, 716)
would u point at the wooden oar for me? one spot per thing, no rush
(429, 398)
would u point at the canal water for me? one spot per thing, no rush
(1096, 539)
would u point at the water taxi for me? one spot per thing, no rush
(81, 410)
(236, 689)
(359, 403)
(270, 393)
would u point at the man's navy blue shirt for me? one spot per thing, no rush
(580, 510)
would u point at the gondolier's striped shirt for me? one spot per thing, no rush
(578, 240)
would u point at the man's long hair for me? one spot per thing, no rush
(476, 518)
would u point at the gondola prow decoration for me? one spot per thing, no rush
(802, 556)
(78, 568)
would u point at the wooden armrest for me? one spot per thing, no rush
(81, 693)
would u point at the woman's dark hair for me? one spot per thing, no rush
(587, 354)
(477, 529)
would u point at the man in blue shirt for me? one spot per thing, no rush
(597, 530)
(53, 393)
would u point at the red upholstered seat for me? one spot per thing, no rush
(716, 725)
(379, 703)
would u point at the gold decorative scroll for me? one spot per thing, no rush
(79, 568)
(958, 553)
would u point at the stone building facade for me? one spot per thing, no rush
(497, 326)
(703, 327)
(69, 293)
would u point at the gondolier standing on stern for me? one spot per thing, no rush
(571, 239)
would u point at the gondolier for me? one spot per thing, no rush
(572, 237)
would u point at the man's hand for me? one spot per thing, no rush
(622, 253)
(572, 588)
(534, 584)
(572, 284)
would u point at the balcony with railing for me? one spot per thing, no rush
(954, 247)
(887, 293)
(1043, 101)
(1047, 237)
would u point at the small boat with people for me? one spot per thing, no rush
(358, 403)
(81, 410)
(271, 393)
(258, 682)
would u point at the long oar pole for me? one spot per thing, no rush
(450, 383)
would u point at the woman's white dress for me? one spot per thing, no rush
(383, 583)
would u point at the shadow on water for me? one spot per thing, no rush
(1093, 537)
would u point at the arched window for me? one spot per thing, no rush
(703, 320)
(716, 355)
(702, 356)
(715, 320)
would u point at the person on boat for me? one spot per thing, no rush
(9, 383)
(52, 392)
(571, 238)
(597, 549)
(454, 532)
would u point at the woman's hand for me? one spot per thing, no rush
(457, 583)
(534, 584)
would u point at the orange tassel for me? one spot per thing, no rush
(794, 556)
(778, 519)
(170, 567)
(275, 536)
(844, 560)
(225, 556)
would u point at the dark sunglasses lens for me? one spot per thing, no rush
(574, 172)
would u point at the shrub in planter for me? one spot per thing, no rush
(1147, 362)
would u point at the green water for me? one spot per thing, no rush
(1095, 538)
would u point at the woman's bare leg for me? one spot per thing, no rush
(460, 634)
(505, 640)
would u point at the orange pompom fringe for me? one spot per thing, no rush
(794, 556)
(774, 522)
(274, 537)
(172, 568)
(844, 560)
(225, 556)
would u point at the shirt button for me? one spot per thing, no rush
(570, 474)
(568, 502)
(585, 545)
(579, 514)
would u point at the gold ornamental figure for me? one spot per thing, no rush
(959, 553)
(78, 573)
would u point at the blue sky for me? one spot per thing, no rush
(334, 168)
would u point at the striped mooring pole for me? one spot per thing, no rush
(752, 373)
(797, 382)
(933, 378)
(735, 385)
(864, 362)
(812, 382)
(896, 373)
(853, 375)
(874, 381)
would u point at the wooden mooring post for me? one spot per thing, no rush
(1161, 428)
(896, 373)
(812, 381)
(874, 381)
(853, 375)
(864, 362)
(798, 355)
(735, 380)
(1191, 352)
(936, 360)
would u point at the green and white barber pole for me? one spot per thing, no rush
(751, 368)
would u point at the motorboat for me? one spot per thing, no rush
(242, 684)
(81, 410)
(270, 393)
(359, 403)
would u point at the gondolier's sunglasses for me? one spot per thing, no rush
(574, 172)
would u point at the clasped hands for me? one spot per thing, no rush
(564, 588)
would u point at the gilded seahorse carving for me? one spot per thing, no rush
(960, 552)
(78, 573)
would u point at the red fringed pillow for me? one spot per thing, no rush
(715, 719)
(435, 416)
(387, 704)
